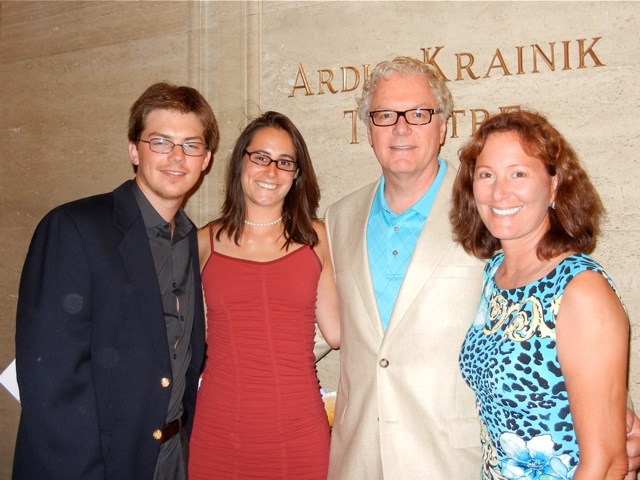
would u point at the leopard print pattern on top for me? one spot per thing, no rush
(509, 359)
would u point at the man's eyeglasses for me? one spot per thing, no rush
(263, 160)
(415, 116)
(162, 145)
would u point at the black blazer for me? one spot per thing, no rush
(91, 345)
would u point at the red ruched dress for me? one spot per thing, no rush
(259, 412)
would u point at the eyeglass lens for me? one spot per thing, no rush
(416, 116)
(162, 145)
(264, 161)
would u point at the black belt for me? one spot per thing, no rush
(172, 428)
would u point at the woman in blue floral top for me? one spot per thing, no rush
(547, 353)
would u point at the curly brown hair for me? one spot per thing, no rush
(574, 224)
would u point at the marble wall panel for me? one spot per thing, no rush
(38, 29)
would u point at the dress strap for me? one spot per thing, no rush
(211, 235)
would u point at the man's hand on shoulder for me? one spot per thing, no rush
(633, 444)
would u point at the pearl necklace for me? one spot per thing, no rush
(268, 224)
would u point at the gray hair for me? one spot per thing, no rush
(409, 67)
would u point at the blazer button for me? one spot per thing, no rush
(384, 363)
(165, 382)
(157, 434)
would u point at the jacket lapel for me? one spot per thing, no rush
(360, 256)
(433, 243)
(138, 261)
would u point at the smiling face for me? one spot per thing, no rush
(512, 190)
(267, 186)
(403, 149)
(165, 178)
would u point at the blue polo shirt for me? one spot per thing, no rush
(391, 240)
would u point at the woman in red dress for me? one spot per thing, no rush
(267, 279)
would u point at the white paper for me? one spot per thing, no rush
(9, 380)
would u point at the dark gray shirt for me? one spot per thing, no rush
(172, 259)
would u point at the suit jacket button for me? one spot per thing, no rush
(157, 434)
(384, 363)
(165, 382)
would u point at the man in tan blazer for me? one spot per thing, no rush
(403, 411)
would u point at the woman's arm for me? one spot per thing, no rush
(327, 311)
(592, 340)
(204, 245)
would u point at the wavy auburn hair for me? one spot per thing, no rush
(574, 224)
(301, 202)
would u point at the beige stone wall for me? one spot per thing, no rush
(70, 71)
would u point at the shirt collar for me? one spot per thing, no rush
(152, 219)
(423, 205)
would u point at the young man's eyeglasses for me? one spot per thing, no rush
(162, 145)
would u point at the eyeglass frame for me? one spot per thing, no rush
(166, 140)
(432, 112)
(271, 160)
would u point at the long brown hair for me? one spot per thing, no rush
(301, 202)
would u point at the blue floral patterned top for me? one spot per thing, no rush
(509, 359)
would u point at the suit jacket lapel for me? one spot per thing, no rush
(360, 256)
(433, 242)
(138, 261)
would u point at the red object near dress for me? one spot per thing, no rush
(259, 413)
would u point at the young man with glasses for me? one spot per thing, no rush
(408, 294)
(110, 321)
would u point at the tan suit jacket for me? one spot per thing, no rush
(403, 411)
